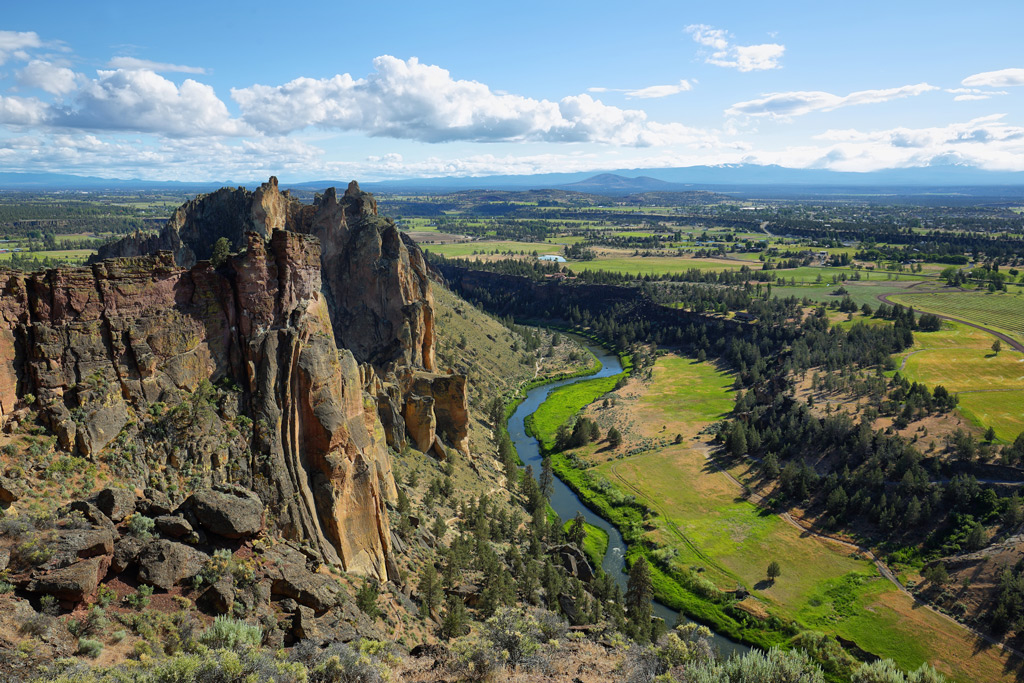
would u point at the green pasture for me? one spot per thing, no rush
(990, 386)
(1001, 310)
(466, 249)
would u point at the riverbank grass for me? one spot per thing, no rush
(563, 403)
(706, 529)
(595, 543)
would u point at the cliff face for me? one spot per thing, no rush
(374, 280)
(320, 335)
(101, 347)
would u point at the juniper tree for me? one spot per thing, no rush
(639, 592)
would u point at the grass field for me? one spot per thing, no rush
(76, 255)
(563, 403)
(823, 585)
(466, 249)
(654, 265)
(862, 291)
(1002, 311)
(595, 544)
(959, 357)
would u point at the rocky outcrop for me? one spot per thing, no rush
(228, 511)
(446, 400)
(375, 280)
(323, 326)
(101, 344)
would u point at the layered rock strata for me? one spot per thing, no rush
(100, 346)
(323, 324)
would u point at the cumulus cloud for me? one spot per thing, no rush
(741, 57)
(141, 100)
(987, 142)
(134, 63)
(407, 99)
(22, 111)
(1004, 78)
(15, 44)
(651, 91)
(783, 105)
(58, 80)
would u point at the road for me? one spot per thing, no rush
(1014, 344)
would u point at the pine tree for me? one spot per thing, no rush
(639, 592)
(577, 530)
(774, 571)
(453, 622)
(221, 251)
(429, 590)
(547, 479)
(614, 437)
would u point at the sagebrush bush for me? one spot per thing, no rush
(89, 648)
(231, 634)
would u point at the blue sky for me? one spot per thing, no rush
(238, 91)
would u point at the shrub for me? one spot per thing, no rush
(140, 599)
(231, 634)
(89, 648)
(141, 526)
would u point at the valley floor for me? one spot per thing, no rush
(706, 521)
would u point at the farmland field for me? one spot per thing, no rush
(990, 386)
(707, 524)
(1002, 311)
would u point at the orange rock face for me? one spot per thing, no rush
(325, 323)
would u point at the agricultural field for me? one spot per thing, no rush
(467, 249)
(654, 265)
(706, 523)
(861, 291)
(68, 255)
(1003, 311)
(990, 386)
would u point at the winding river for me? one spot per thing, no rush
(566, 503)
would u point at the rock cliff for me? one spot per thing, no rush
(374, 279)
(100, 347)
(318, 336)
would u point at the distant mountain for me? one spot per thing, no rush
(611, 183)
(737, 179)
(44, 182)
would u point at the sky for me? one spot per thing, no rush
(218, 91)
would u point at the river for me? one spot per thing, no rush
(566, 503)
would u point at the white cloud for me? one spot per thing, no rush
(22, 111)
(986, 142)
(58, 80)
(14, 43)
(1004, 78)
(134, 63)
(972, 94)
(407, 99)
(783, 105)
(741, 57)
(141, 100)
(651, 91)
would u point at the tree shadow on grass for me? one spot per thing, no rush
(763, 584)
